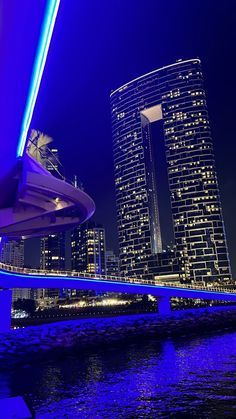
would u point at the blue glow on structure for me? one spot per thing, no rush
(39, 64)
(54, 281)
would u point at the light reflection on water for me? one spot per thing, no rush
(174, 378)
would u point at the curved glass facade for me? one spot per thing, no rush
(173, 95)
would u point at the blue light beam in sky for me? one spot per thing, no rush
(39, 64)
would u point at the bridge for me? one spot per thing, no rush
(13, 277)
(32, 201)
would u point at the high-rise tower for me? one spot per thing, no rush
(88, 247)
(173, 97)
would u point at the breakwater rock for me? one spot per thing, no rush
(36, 343)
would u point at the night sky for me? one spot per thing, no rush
(98, 46)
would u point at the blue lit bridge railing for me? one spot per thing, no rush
(129, 280)
(14, 277)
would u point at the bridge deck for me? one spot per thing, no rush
(11, 277)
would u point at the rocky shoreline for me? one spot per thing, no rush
(35, 343)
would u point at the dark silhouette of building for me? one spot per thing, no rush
(52, 252)
(112, 264)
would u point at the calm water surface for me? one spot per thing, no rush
(180, 378)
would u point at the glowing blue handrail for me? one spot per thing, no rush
(87, 275)
(39, 64)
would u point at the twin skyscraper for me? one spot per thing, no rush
(174, 98)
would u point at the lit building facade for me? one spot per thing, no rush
(88, 246)
(12, 253)
(173, 97)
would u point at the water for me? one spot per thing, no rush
(177, 378)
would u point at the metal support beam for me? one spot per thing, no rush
(5, 310)
(164, 306)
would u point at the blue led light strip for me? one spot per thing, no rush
(127, 285)
(39, 64)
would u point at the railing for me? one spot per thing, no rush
(91, 276)
(86, 275)
(201, 287)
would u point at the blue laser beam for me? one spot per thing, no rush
(39, 64)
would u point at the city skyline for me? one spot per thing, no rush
(113, 238)
(86, 99)
(117, 130)
(90, 71)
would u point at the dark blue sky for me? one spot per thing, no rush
(98, 46)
